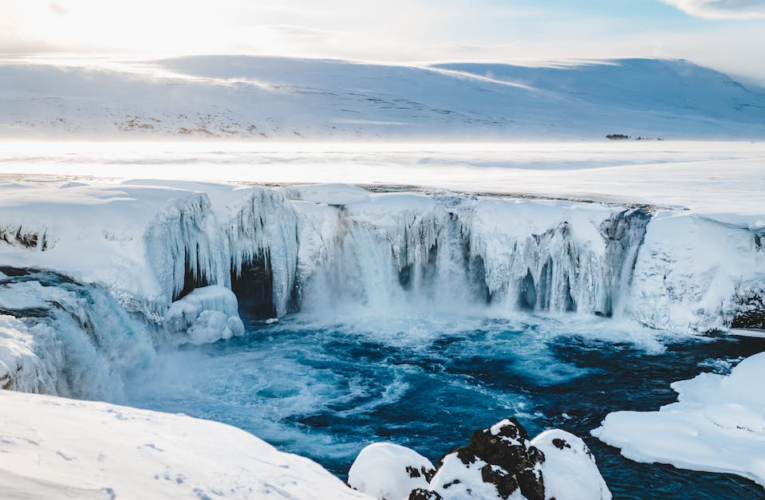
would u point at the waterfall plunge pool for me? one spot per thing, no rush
(325, 389)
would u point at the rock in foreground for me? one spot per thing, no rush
(498, 463)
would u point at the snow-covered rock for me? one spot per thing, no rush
(569, 469)
(205, 315)
(52, 447)
(500, 463)
(388, 471)
(718, 425)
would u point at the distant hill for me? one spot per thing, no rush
(245, 97)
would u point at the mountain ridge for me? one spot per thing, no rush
(256, 97)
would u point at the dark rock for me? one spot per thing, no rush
(750, 313)
(507, 460)
(560, 443)
(422, 494)
(421, 472)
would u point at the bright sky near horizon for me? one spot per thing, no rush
(728, 35)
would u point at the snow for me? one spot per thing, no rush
(388, 471)
(569, 469)
(20, 368)
(717, 425)
(566, 469)
(51, 446)
(690, 271)
(206, 315)
(455, 480)
(718, 179)
(265, 98)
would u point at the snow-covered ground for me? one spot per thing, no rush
(265, 98)
(707, 177)
(60, 448)
(718, 424)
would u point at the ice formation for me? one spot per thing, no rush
(205, 315)
(149, 250)
(718, 425)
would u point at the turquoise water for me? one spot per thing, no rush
(326, 390)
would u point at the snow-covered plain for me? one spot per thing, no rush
(718, 424)
(264, 98)
(60, 448)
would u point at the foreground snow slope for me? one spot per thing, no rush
(264, 98)
(58, 448)
(718, 424)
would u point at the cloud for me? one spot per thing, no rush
(722, 9)
(58, 9)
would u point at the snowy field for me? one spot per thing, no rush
(709, 177)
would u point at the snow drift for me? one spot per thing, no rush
(55, 447)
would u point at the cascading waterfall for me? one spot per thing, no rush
(280, 261)
(85, 342)
(279, 255)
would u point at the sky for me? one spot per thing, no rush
(728, 35)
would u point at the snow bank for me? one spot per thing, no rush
(718, 425)
(52, 446)
(389, 471)
(205, 315)
(569, 468)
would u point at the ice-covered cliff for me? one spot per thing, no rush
(141, 258)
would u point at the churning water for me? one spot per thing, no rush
(325, 389)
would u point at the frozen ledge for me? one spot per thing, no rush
(718, 425)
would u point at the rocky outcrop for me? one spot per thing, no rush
(499, 463)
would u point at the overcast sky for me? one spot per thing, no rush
(726, 34)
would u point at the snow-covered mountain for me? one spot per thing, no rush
(265, 98)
